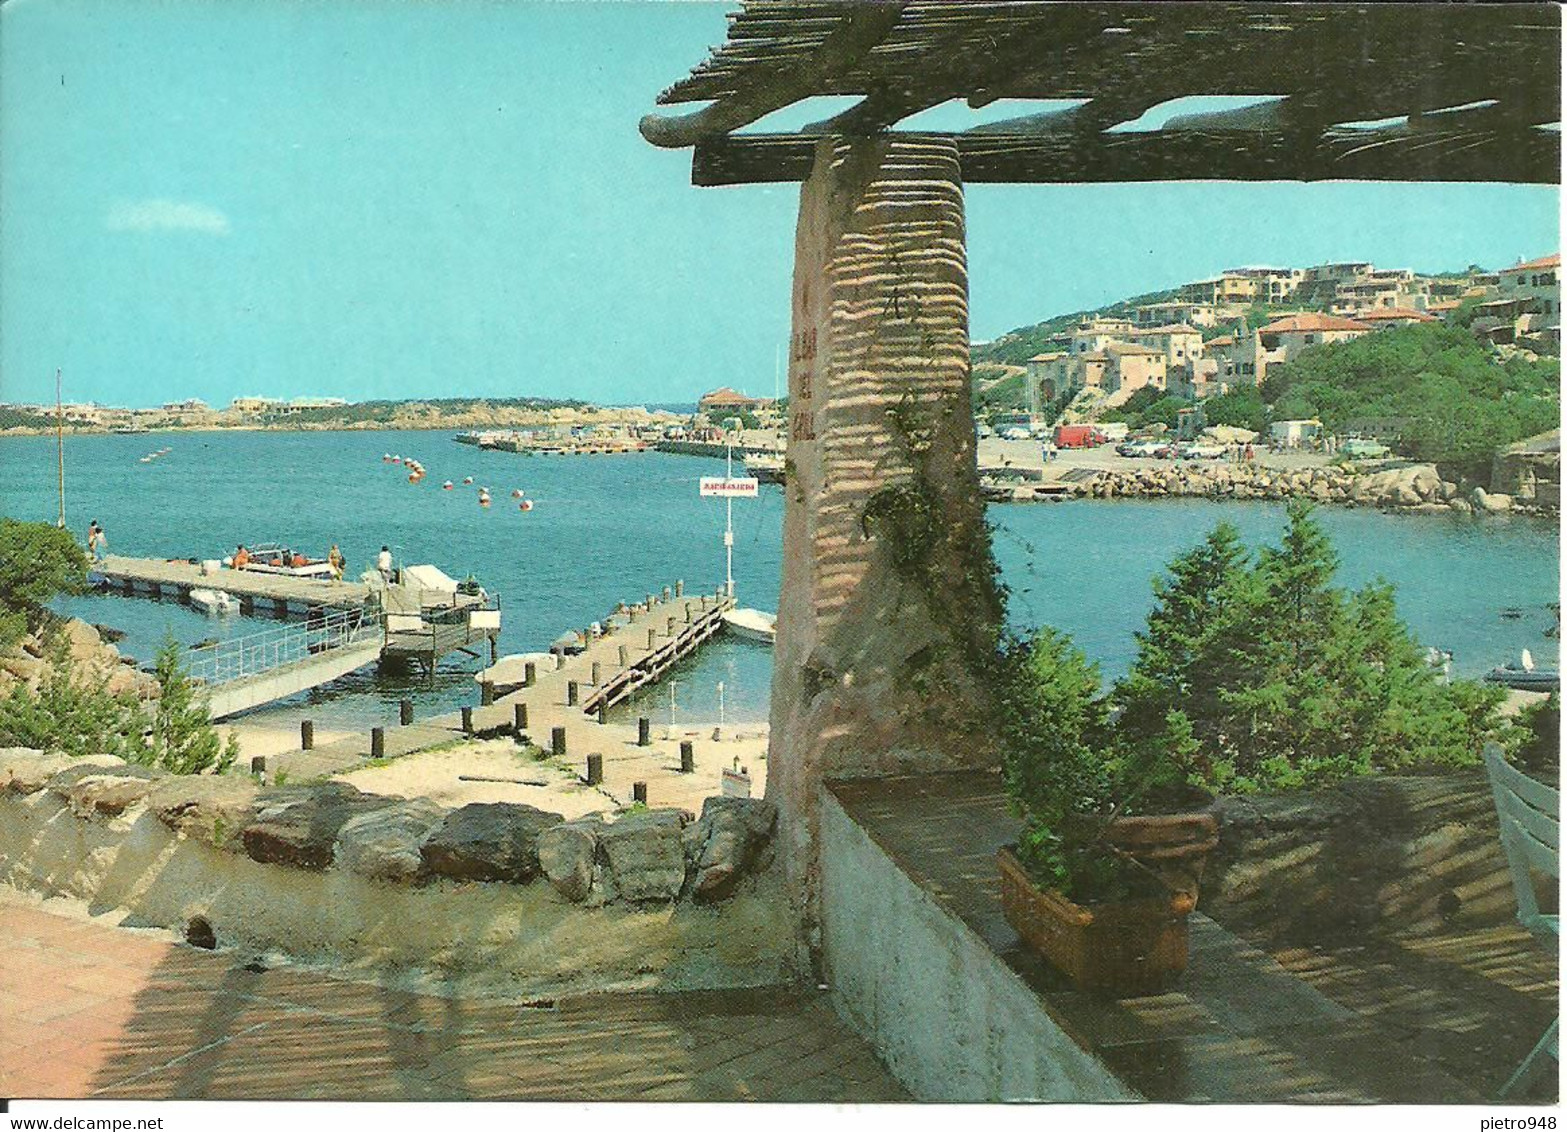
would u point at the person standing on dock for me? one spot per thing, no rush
(96, 544)
(241, 558)
(335, 559)
(383, 562)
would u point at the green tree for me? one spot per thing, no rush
(38, 561)
(72, 713)
(1239, 408)
(181, 738)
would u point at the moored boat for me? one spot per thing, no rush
(752, 625)
(214, 601)
(1525, 677)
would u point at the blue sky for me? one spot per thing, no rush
(402, 200)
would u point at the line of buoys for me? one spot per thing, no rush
(416, 472)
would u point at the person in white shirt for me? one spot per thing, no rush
(383, 562)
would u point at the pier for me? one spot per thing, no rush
(258, 592)
(558, 701)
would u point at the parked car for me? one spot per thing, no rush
(1015, 433)
(1199, 450)
(1357, 448)
(1141, 447)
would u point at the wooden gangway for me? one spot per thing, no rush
(257, 591)
(655, 634)
(246, 672)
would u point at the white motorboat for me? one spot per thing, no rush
(214, 601)
(1524, 676)
(752, 624)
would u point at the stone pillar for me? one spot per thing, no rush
(889, 610)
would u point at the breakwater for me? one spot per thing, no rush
(1417, 488)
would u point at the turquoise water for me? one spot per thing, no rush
(609, 528)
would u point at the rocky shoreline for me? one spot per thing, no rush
(93, 661)
(1412, 488)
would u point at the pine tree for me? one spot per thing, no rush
(182, 739)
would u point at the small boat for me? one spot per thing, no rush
(752, 625)
(214, 601)
(1524, 676)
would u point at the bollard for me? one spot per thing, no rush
(680, 588)
(258, 766)
(603, 715)
(307, 734)
(595, 769)
(560, 661)
(666, 593)
(378, 742)
(467, 721)
(529, 675)
(652, 635)
(639, 792)
(557, 741)
(650, 602)
(572, 693)
(405, 712)
(598, 677)
(688, 615)
(644, 731)
(625, 656)
(519, 714)
(669, 628)
(486, 693)
(687, 757)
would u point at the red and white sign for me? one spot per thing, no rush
(744, 487)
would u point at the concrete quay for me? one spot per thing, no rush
(257, 591)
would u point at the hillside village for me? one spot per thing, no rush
(1213, 336)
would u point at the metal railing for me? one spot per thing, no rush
(255, 653)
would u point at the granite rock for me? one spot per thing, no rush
(488, 841)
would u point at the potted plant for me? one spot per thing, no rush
(1070, 887)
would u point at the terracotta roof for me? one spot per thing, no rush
(1050, 357)
(727, 396)
(1124, 348)
(1444, 305)
(1222, 340)
(1401, 314)
(1309, 322)
(1536, 264)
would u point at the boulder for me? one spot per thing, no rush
(25, 668)
(107, 795)
(26, 771)
(385, 844)
(1460, 505)
(731, 835)
(488, 841)
(645, 857)
(210, 808)
(60, 784)
(82, 639)
(566, 854)
(1493, 503)
(298, 825)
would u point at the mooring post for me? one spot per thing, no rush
(680, 588)
(603, 713)
(669, 629)
(650, 603)
(486, 693)
(573, 693)
(625, 656)
(644, 731)
(557, 741)
(688, 615)
(529, 675)
(652, 635)
(687, 757)
(639, 792)
(467, 721)
(595, 769)
(666, 593)
(307, 734)
(378, 742)
(519, 713)
(405, 712)
(597, 674)
(560, 661)
(258, 766)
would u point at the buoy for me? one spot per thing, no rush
(526, 505)
(447, 486)
(516, 493)
(386, 457)
(413, 478)
(467, 479)
(397, 459)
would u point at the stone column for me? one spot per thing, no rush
(889, 610)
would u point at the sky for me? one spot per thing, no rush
(389, 199)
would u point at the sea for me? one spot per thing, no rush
(611, 528)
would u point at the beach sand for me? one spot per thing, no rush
(261, 739)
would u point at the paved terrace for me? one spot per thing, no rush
(96, 1011)
(1438, 1019)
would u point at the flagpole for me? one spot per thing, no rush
(59, 441)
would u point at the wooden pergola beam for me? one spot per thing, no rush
(1425, 153)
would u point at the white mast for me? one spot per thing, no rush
(59, 441)
(729, 518)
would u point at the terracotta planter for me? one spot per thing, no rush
(1133, 948)
(1174, 846)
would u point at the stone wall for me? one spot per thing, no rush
(1397, 853)
(500, 895)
